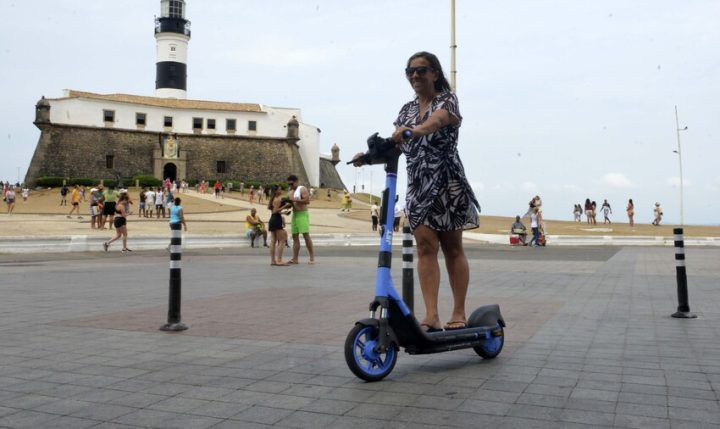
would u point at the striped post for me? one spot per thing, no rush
(407, 272)
(683, 310)
(173, 319)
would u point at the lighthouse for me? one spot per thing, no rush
(172, 34)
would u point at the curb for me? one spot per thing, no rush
(85, 243)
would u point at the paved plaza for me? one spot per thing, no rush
(589, 342)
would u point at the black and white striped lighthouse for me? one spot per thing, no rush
(172, 34)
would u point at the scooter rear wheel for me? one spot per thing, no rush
(363, 359)
(492, 345)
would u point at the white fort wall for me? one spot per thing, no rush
(270, 122)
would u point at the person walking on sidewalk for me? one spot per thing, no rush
(120, 223)
(300, 198)
(630, 212)
(658, 215)
(374, 215)
(177, 216)
(535, 223)
(75, 198)
(607, 211)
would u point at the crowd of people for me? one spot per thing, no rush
(518, 231)
(590, 211)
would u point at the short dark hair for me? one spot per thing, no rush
(177, 201)
(441, 84)
(292, 178)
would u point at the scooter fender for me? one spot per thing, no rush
(376, 324)
(487, 315)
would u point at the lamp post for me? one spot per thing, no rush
(453, 48)
(679, 153)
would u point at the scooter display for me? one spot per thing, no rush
(372, 346)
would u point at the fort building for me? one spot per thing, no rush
(103, 136)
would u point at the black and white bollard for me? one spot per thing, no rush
(173, 319)
(683, 310)
(407, 272)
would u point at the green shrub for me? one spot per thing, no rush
(147, 180)
(50, 181)
(82, 182)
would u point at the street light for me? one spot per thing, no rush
(453, 48)
(679, 153)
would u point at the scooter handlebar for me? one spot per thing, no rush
(379, 149)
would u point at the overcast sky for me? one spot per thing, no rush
(566, 99)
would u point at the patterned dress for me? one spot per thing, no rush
(438, 195)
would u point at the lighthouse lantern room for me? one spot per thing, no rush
(172, 34)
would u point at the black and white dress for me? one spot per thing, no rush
(438, 195)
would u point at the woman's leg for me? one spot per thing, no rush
(427, 244)
(118, 234)
(282, 238)
(458, 272)
(273, 239)
(124, 236)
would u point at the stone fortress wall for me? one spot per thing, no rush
(75, 151)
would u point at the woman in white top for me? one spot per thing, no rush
(535, 222)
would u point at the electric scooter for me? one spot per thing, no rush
(371, 347)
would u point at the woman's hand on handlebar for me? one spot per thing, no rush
(358, 160)
(402, 134)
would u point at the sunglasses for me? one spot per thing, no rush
(419, 70)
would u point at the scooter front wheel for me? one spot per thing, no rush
(362, 356)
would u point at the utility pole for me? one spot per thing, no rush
(453, 48)
(679, 153)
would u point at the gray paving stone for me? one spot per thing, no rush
(703, 416)
(689, 424)
(534, 412)
(601, 395)
(27, 419)
(642, 398)
(102, 412)
(484, 407)
(264, 415)
(591, 405)
(375, 411)
(149, 418)
(587, 417)
(185, 421)
(304, 419)
(659, 411)
(641, 422)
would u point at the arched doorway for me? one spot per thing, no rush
(170, 171)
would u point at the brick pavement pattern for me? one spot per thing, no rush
(590, 343)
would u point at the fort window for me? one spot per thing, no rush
(252, 126)
(140, 119)
(109, 161)
(197, 123)
(230, 125)
(109, 115)
(221, 167)
(211, 124)
(167, 121)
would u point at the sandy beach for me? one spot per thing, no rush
(42, 215)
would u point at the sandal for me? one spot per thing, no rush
(105, 246)
(455, 324)
(429, 328)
